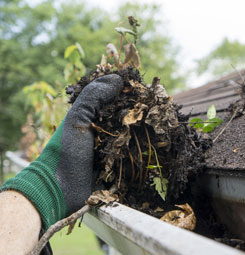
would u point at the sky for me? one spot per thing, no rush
(197, 26)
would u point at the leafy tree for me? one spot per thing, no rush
(220, 60)
(32, 43)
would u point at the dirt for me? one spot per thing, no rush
(142, 137)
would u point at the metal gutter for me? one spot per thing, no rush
(227, 191)
(132, 232)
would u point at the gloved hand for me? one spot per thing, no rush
(59, 181)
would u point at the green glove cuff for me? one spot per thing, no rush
(39, 184)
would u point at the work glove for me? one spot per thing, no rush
(59, 181)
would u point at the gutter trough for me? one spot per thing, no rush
(132, 232)
(226, 189)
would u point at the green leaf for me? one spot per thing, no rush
(217, 121)
(208, 128)
(145, 153)
(80, 49)
(161, 186)
(211, 112)
(197, 125)
(69, 50)
(123, 30)
(153, 166)
(74, 57)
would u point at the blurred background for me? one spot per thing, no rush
(47, 45)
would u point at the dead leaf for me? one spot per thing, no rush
(117, 146)
(131, 56)
(103, 66)
(134, 115)
(161, 94)
(159, 123)
(184, 218)
(145, 205)
(158, 209)
(103, 196)
(103, 61)
(137, 85)
(111, 50)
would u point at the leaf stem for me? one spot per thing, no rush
(149, 156)
(140, 156)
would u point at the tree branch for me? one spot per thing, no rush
(56, 227)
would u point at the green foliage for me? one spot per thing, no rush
(49, 108)
(123, 31)
(220, 60)
(211, 122)
(32, 42)
(75, 69)
(160, 186)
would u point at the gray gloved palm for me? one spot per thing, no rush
(60, 180)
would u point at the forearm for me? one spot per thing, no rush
(20, 224)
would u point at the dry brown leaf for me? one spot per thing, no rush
(131, 56)
(111, 50)
(162, 115)
(103, 196)
(145, 205)
(117, 146)
(134, 115)
(103, 66)
(159, 123)
(137, 85)
(158, 209)
(184, 218)
(103, 61)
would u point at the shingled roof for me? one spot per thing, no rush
(228, 152)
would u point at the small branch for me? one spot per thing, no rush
(57, 227)
(228, 123)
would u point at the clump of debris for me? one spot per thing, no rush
(144, 147)
(143, 144)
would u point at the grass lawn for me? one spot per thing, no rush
(81, 241)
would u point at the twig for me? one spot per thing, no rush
(149, 156)
(228, 123)
(239, 74)
(140, 156)
(132, 165)
(120, 174)
(56, 227)
(101, 130)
